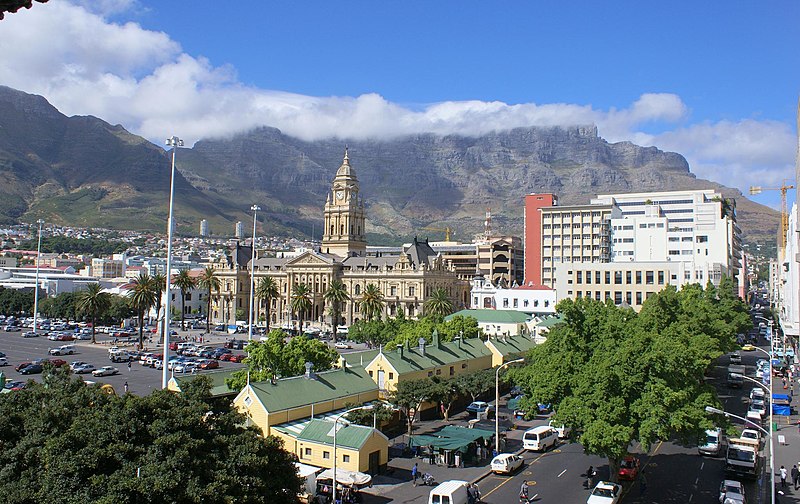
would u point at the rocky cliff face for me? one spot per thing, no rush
(83, 171)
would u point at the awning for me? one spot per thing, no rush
(455, 431)
(345, 477)
(305, 470)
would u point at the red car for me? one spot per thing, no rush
(173, 346)
(238, 358)
(209, 364)
(58, 362)
(65, 337)
(226, 357)
(22, 365)
(629, 468)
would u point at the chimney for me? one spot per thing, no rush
(436, 341)
(458, 340)
(422, 346)
(343, 363)
(400, 350)
(309, 372)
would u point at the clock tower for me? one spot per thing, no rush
(344, 215)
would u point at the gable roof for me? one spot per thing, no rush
(311, 257)
(218, 386)
(550, 321)
(512, 345)
(350, 436)
(494, 316)
(435, 355)
(361, 358)
(290, 393)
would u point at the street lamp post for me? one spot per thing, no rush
(255, 209)
(335, 422)
(717, 411)
(173, 142)
(497, 402)
(36, 287)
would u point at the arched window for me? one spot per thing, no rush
(357, 290)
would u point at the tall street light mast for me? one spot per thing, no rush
(173, 142)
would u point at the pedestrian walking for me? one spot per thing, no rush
(783, 477)
(414, 473)
(795, 476)
(590, 473)
(125, 386)
(129, 366)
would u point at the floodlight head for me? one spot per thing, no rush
(255, 208)
(737, 375)
(40, 222)
(716, 411)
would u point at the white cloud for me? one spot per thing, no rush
(83, 63)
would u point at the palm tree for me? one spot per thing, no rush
(372, 302)
(301, 301)
(159, 286)
(267, 290)
(439, 303)
(92, 302)
(208, 281)
(336, 295)
(141, 298)
(185, 283)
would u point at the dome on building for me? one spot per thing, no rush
(346, 170)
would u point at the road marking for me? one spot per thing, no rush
(690, 497)
(696, 481)
(702, 465)
(530, 483)
(561, 473)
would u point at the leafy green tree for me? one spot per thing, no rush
(13, 301)
(92, 303)
(616, 376)
(267, 290)
(373, 332)
(209, 281)
(185, 283)
(379, 413)
(335, 296)
(119, 309)
(275, 358)
(409, 397)
(142, 297)
(60, 306)
(459, 326)
(438, 303)
(300, 302)
(64, 441)
(372, 302)
(445, 391)
(475, 384)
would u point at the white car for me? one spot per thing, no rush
(605, 492)
(11, 328)
(563, 430)
(105, 371)
(758, 405)
(84, 368)
(63, 350)
(3, 361)
(341, 345)
(757, 393)
(506, 463)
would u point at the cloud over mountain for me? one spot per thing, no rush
(83, 63)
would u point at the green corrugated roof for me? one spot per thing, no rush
(446, 353)
(359, 358)
(351, 436)
(513, 345)
(494, 316)
(550, 321)
(299, 391)
(218, 386)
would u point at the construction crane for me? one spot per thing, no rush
(784, 213)
(446, 230)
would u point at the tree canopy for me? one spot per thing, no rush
(276, 358)
(616, 376)
(395, 331)
(64, 441)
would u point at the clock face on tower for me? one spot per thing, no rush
(339, 195)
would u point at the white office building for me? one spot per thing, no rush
(789, 303)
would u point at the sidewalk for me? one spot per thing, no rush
(786, 441)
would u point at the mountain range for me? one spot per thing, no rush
(82, 171)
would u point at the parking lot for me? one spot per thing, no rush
(141, 379)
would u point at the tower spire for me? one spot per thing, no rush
(346, 157)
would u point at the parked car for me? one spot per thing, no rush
(605, 492)
(12, 328)
(736, 358)
(65, 337)
(56, 362)
(30, 334)
(629, 468)
(22, 365)
(238, 358)
(226, 357)
(3, 361)
(31, 369)
(15, 385)
(105, 371)
(563, 430)
(342, 345)
(506, 463)
(479, 407)
(84, 368)
(209, 364)
(63, 350)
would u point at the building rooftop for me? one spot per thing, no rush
(348, 436)
(218, 386)
(493, 316)
(411, 359)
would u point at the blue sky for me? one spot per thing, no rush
(715, 81)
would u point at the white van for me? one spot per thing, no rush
(539, 438)
(449, 492)
(713, 444)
